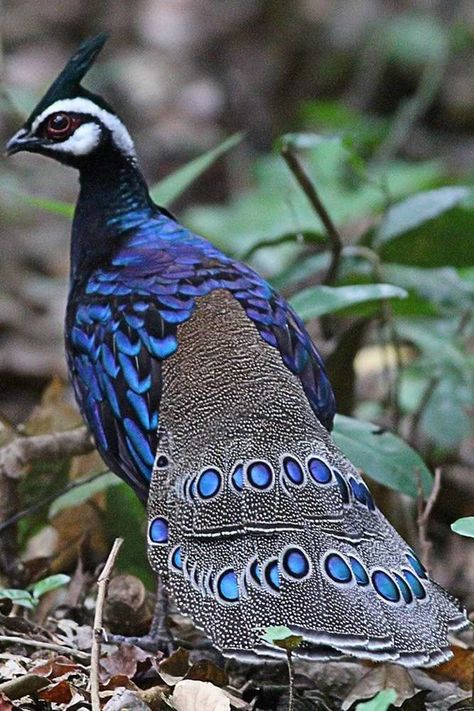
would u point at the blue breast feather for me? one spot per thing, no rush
(124, 322)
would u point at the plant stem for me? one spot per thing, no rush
(291, 681)
(311, 193)
(102, 585)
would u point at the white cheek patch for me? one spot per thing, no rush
(120, 135)
(82, 142)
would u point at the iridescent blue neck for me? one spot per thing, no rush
(112, 201)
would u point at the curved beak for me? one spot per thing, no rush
(21, 141)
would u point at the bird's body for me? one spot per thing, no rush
(204, 392)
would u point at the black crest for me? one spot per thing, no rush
(67, 85)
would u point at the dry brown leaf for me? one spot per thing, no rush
(459, 669)
(54, 413)
(191, 695)
(5, 703)
(205, 670)
(56, 667)
(383, 676)
(123, 661)
(175, 667)
(60, 693)
(119, 681)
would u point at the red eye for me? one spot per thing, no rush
(61, 125)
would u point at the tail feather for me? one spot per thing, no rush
(301, 546)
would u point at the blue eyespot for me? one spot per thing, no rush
(319, 470)
(293, 470)
(385, 586)
(237, 478)
(176, 558)
(260, 475)
(358, 489)
(417, 565)
(359, 571)
(295, 563)
(255, 572)
(208, 483)
(416, 587)
(227, 586)
(342, 486)
(271, 574)
(158, 530)
(337, 568)
(406, 592)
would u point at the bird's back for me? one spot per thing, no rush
(256, 518)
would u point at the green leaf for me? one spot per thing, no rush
(52, 582)
(283, 637)
(57, 207)
(441, 286)
(446, 239)
(19, 597)
(382, 455)
(82, 492)
(171, 187)
(464, 526)
(381, 702)
(414, 38)
(318, 300)
(415, 210)
(125, 517)
(446, 419)
(277, 206)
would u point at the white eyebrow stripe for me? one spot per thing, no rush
(80, 105)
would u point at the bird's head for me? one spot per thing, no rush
(70, 123)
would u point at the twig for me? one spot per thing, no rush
(312, 195)
(291, 681)
(14, 457)
(424, 513)
(23, 686)
(433, 383)
(413, 109)
(45, 645)
(102, 585)
(25, 450)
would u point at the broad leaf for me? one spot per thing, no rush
(19, 597)
(381, 702)
(82, 492)
(171, 187)
(382, 455)
(464, 526)
(416, 210)
(440, 235)
(318, 300)
(283, 637)
(277, 206)
(52, 582)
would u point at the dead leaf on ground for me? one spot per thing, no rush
(416, 703)
(124, 660)
(60, 693)
(384, 676)
(175, 667)
(191, 695)
(459, 669)
(119, 681)
(126, 699)
(6, 704)
(205, 670)
(56, 667)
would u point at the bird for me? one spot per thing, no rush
(204, 392)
